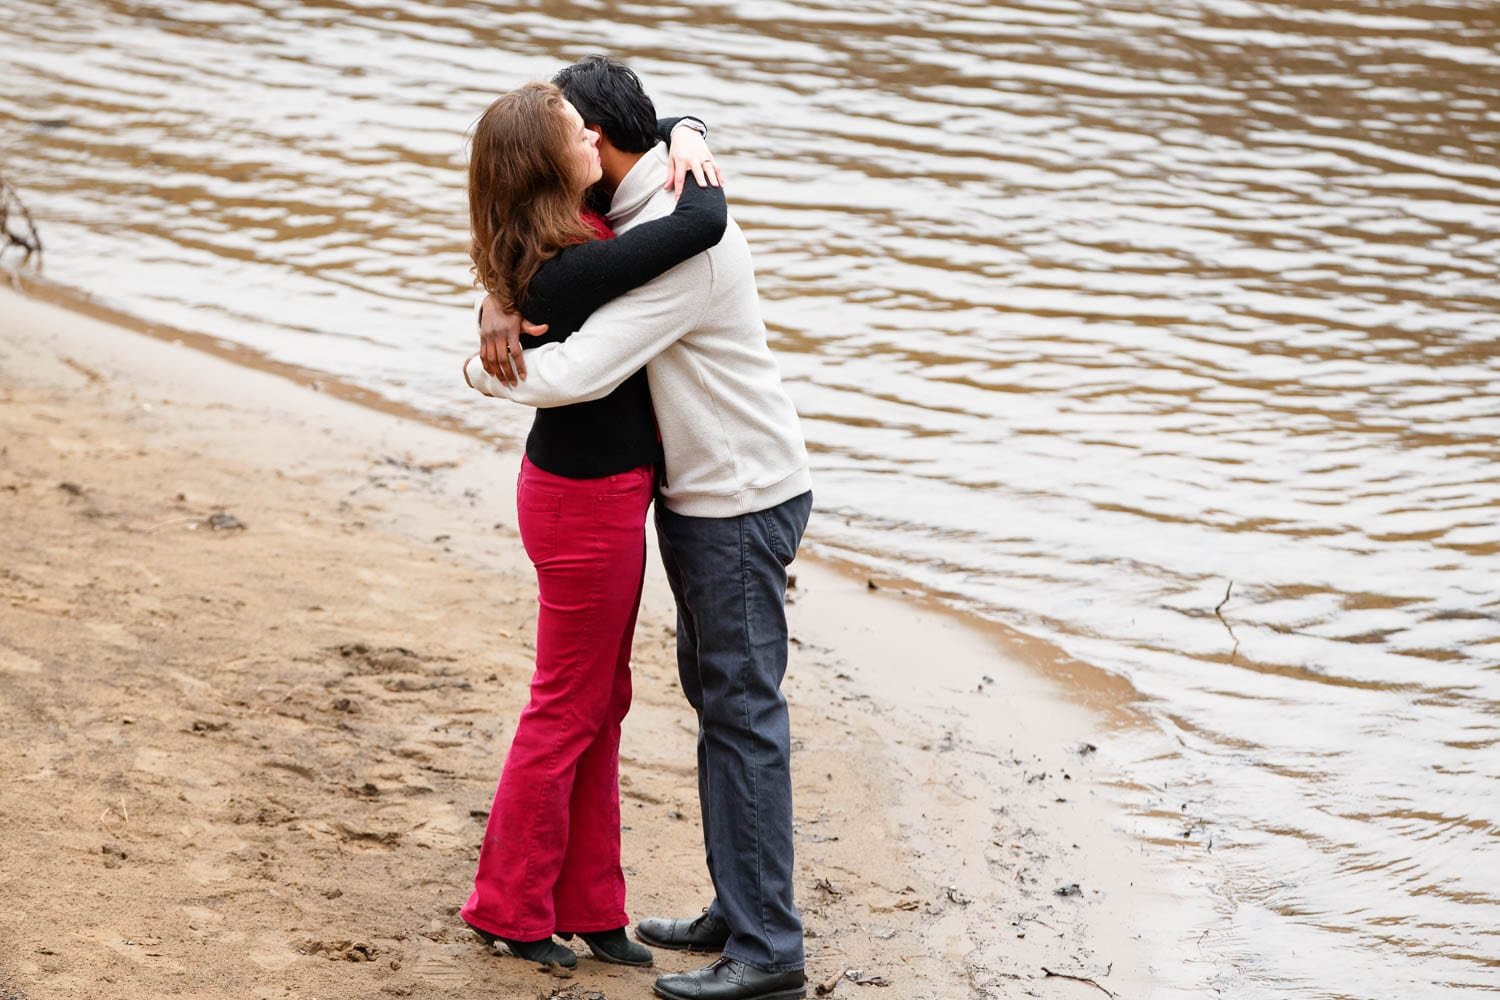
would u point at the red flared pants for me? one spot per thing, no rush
(551, 854)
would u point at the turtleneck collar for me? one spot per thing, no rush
(639, 185)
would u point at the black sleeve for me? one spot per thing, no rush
(664, 127)
(583, 277)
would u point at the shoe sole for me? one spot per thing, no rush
(612, 960)
(671, 946)
(797, 994)
(484, 936)
(598, 953)
(491, 940)
(545, 965)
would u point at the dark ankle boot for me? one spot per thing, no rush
(612, 946)
(543, 952)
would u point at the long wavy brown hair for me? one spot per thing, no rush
(524, 193)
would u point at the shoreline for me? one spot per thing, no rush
(924, 848)
(1105, 693)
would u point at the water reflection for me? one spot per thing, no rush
(1089, 312)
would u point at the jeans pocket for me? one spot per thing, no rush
(784, 525)
(781, 544)
(626, 484)
(537, 515)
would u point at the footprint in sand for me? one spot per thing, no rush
(168, 764)
(206, 871)
(114, 634)
(272, 954)
(441, 967)
(439, 826)
(14, 661)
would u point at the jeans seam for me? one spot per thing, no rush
(528, 850)
(745, 592)
(595, 593)
(768, 516)
(532, 833)
(616, 858)
(615, 900)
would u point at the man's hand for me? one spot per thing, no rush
(500, 341)
(689, 151)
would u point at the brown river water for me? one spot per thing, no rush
(1089, 309)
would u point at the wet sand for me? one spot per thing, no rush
(261, 653)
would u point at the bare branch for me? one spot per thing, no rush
(1077, 979)
(22, 231)
(1217, 608)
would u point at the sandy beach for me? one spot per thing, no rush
(261, 653)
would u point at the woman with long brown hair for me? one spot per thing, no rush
(550, 860)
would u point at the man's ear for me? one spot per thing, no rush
(604, 142)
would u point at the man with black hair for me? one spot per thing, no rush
(731, 509)
(611, 100)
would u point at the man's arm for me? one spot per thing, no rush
(500, 348)
(614, 344)
(585, 276)
(702, 166)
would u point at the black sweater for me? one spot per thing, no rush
(618, 432)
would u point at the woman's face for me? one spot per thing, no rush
(585, 148)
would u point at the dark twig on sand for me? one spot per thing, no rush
(1076, 979)
(1217, 609)
(830, 984)
(22, 234)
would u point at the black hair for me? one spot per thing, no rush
(609, 94)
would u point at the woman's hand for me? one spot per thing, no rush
(500, 341)
(688, 150)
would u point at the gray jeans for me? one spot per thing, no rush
(729, 577)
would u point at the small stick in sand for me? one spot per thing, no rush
(26, 238)
(830, 984)
(1220, 605)
(1076, 979)
(1217, 608)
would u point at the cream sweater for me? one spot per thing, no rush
(731, 436)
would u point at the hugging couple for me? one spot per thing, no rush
(604, 234)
